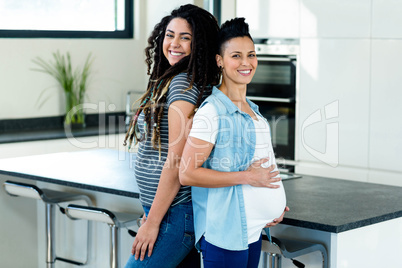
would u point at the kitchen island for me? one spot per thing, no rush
(359, 223)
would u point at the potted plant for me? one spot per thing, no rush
(74, 83)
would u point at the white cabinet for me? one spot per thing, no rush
(376, 245)
(329, 18)
(387, 19)
(385, 106)
(310, 18)
(333, 121)
(268, 18)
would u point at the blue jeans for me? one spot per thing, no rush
(216, 257)
(175, 240)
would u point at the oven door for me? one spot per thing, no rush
(281, 119)
(275, 77)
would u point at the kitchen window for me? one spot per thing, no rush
(66, 19)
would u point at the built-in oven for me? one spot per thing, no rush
(273, 89)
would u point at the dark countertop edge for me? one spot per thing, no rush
(344, 227)
(71, 184)
(56, 134)
(48, 128)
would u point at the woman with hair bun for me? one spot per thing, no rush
(229, 159)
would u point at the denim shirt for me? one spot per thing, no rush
(219, 213)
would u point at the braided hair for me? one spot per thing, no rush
(200, 67)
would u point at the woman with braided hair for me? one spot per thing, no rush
(181, 63)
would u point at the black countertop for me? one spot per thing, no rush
(335, 206)
(48, 128)
(324, 204)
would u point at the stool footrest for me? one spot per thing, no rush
(101, 215)
(295, 248)
(70, 261)
(115, 220)
(290, 248)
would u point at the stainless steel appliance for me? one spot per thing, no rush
(273, 89)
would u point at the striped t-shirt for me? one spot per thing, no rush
(148, 166)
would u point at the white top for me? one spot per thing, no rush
(262, 204)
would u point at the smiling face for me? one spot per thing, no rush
(177, 40)
(239, 60)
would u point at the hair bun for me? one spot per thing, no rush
(233, 28)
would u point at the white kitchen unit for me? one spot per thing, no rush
(335, 19)
(278, 19)
(386, 16)
(334, 103)
(372, 246)
(348, 84)
(385, 106)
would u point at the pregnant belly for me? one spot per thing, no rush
(263, 205)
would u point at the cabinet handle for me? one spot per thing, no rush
(286, 100)
(260, 58)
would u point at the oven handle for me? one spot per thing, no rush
(286, 100)
(260, 58)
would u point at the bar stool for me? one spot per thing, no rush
(50, 198)
(290, 249)
(115, 220)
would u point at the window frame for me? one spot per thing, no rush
(128, 32)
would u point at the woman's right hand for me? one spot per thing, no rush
(263, 177)
(145, 240)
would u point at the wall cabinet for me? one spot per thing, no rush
(385, 106)
(386, 16)
(334, 84)
(340, 19)
(278, 19)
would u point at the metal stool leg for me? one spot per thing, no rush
(114, 246)
(271, 260)
(51, 257)
(274, 260)
(50, 253)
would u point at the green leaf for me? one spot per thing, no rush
(74, 82)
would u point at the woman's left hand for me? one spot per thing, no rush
(277, 220)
